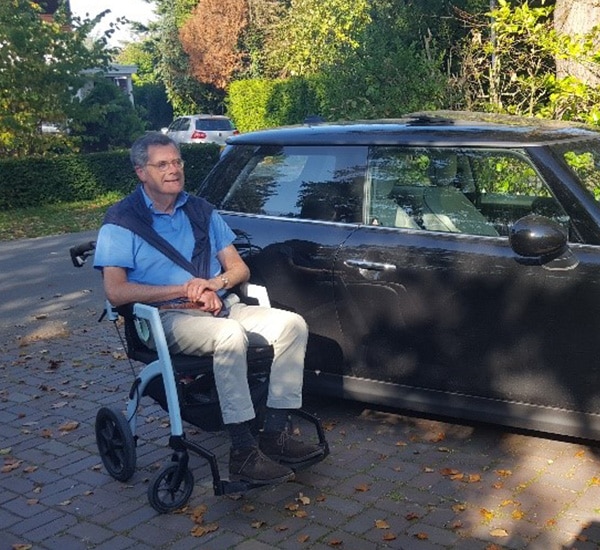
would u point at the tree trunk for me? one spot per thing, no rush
(576, 17)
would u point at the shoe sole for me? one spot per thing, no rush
(282, 459)
(272, 481)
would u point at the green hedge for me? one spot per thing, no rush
(257, 104)
(69, 178)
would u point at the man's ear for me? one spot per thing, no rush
(141, 173)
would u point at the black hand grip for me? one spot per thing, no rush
(80, 252)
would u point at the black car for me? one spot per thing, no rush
(446, 263)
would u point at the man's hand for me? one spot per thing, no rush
(211, 302)
(195, 287)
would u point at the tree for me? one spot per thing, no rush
(41, 66)
(107, 119)
(185, 93)
(513, 67)
(314, 34)
(210, 37)
(149, 92)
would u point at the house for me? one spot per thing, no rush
(121, 75)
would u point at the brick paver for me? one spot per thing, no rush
(391, 481)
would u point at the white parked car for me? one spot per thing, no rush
(201, 129)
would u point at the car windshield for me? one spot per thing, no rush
(214, 125)
(584, 160)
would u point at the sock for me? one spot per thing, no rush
(276, 420)
(241, 436)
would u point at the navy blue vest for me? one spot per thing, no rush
(132, 213)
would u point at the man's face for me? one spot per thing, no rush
(162, 176)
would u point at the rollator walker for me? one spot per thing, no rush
(184, 386)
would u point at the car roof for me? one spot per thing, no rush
(207, 116)
(432, 128)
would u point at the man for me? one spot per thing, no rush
(198, 313)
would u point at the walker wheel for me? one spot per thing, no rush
(166, 493)
(115, 443)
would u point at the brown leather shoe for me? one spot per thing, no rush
(283, 448)
(252, 466)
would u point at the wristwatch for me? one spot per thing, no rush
(224, 280)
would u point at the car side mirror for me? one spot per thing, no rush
(535, 236)
(543, 241)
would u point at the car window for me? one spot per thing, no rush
(214, 125)
(301, 182)
(184, 125)
(471, 191)
(173, 126)
(584, 160)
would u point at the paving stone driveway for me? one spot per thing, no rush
(391, 481)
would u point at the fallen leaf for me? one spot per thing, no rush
(303, 538)
(30, 469)
(6, 451)
(362, 488)
(335, 542)
(381, 524)
(389, 536)
(487, 514)
(422, 536)
(248, 508)
(258, 524)
(449, 472)
(499, 533)
(69, 426)
(518, 514)
(32, 501)
(11, 465)
(281, 528)
(46, 433)
(473, 478)
(504, 473)
(459, 507)
(201, 530)
(59, 405)
(580, 454)
(411, 516)
(65, 503)
(21, 546)
(301, 514)
(303, 499)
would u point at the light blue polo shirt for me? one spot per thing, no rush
(120, 247)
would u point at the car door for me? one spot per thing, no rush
(292, 208)
(438, 302)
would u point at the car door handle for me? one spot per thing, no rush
(372, 266)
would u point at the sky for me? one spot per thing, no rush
(135, 10)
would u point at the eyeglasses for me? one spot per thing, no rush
(164, 165)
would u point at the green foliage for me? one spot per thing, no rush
(73, 177)
(41, 65)
(256, 104)
(247, 104)
(107, 119)
(149, 92)
(512, 67)
(315, 34)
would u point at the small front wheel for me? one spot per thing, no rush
(166, 492)
(115, 444)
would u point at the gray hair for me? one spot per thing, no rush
(139, 150)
